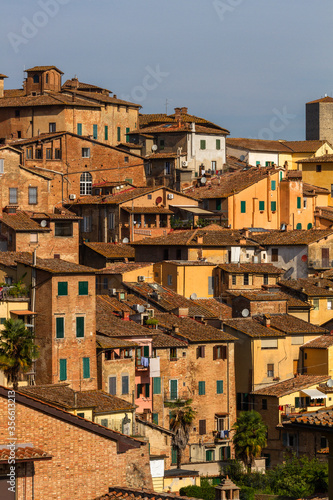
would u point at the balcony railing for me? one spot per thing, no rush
(142, 365)
(221, 435)
(171, 396)
(320, 264)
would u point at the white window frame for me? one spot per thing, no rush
(86, 224)
(85, 183)
(85, 152)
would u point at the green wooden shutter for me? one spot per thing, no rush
(261, 205)
(156, 385)
(299, 225)
(104, 422)
(296, 402)
(86, 367)
(299, 202)
(118, 134)
(309, 225)
(218, 143)
(63, 369)
(227, 452)
(273, 206)
(146, 351)
(95, 131)
(138, 390)
(80, 326)
(106, 132)
(202, 144)
(173, 389)
(219, 387)
(60, 328)
(147, 390)
(127, 132)
(173, 456)
(79, 129)
(62, 288)
(155, 418)
(273, 185)
(202, 388)
(243, 207)
(83, 287)
(218, 204)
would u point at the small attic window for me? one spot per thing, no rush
(47, 78)
(36, 78)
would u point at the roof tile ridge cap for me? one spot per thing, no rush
(192, 236)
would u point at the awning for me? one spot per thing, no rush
(23, 313)
(314, 393)
(194, 210)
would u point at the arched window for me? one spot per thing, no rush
(309, 225)
(85, 183)
(36, 78)
(299, 226)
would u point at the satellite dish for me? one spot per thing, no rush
(141, 308)
(203, 180)
(43, 223)
(159, 199)
(288, 273)
(329, 383)
(283, 227)
(245, 313)
(125, 240)
(193, 296)
(154, 148)
(242, 158)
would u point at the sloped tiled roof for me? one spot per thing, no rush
(252, 328)
(312, 287)
(161, 340)
(311, 190)
(43, 68)
(112, 250)
(10, 258)
(98, 97)
(318, 159)
(149, 120)
(304, 146)
(118, 493)
(113, 326)
(290, 324)
(322, 99)
(256, 144)
(322, 342)
(58, 266)
(291, 385)
(50, 99)
(220, 310)
(295, 237)
(104, 342)
(21, 222)
(317, 420)
(263, 296)
(324, 213)
(122, 267)
(23, 454)
(251, 268)
(191, 330)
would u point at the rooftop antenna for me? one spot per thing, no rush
(167, 101)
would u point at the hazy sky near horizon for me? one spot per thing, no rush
(247, 65)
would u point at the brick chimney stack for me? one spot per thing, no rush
(178, 114)
(2, 77)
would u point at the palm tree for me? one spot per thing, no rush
(181, 420)
(250, 437)
(17, 349)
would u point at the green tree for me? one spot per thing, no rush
(17, 349)
(250, 437)
(181, 420)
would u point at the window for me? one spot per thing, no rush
(85, 152)
(126, 160)
(33, 237)
(219, 387)
(49, 154)
(315, 303)
(83, 287)
(47, 78)
(297, 340)
(62, 369)
(57, 154)
(218, 204)
(173, 456)
(79, 129)
(85, 183)
(273, 185)
(273, 206)
(225, 453)
(220, 352)
(329, 303)
(213, 167)
(32, 196)
(264, 404)
(52, 127)
(80, 326)
(125, 384)
(269, 343)
(13, 196)
(246, 279)
(86, 224)
(38, 154)
(36, 78)
(17, 113)
(318, 168)
(309, 226)
(299, 225)
(111, 221)
(209, 455)
(257, 163)
(113, 385)
(169, 279)
(305, 202)
(202, 144)
(261, 206)
(275, 255)
(173, 389)
(173, 353)
(210, 285)
(60, 330)
(243, 207)
(202, 427)
(270, 370)
(2, 166)
(29, 154)
(202, 388)
(218, 143)
(86, 367)
(299, 202)
(62, 288)
(63, 229)
(201, 351)
(167, 168)
(233, 279)
(106, 132)
(265, 279)
(147, 390)
(127, 132)
(95, 131)
(105, 283)
(118, 134)
(2, 321)
(156, 385)
(155, 418)
(104, 422)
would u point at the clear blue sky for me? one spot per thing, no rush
(248, 65)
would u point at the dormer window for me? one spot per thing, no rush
(36, 78)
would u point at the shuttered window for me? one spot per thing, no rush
(218, 143)
(202, 144)
(219, 387)
(83, 287)
(79, 129)
(62, 288)
(147, 390)
(201, 351)
(146, 351)
(261, 205)
(127, 132)
(94, 131)
(157, 385)
(299, 226)
(113, 385)
(59, 328)
(273, 206)
(80, 326)
(106, 132)
(220, 352)
(210, 285)
(273, 185)
(63, 369)
(202, 427)
(173, 456)
(243, 207)
(125, 384)
(299, 202)
(202, 388)
(173, 389)
(118, 133)
(104, 422)
(155, 418)
(86, 367)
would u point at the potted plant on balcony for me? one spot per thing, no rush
(151, 322)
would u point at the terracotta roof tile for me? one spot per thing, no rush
(251, 268)
(119, 493)
(318, 159)
(21, 222)
(252, 328)
(320, 419)
(304, 146)
(161, 340)
(58, 266)
(322, 99)
(263, 296)
(147, 120)
(324, 213)
(220, 310)
(322, 342)
(296, 237)
(122, 267)
(43, 68)
(97, 96)
(50, 99)
(10, 258)
(257, 144)
(312, 287)
(289, 324)
(116, 198)
(104, 342)
(311, 190)
(112, 250)
(291, 385)
(147, 210)
(23, 454)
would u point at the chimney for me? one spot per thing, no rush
(126, 315)
(200, 240)
(183, 111)
(193, 127)
(267, 320)
(2, 83)
(178, 114)
(175, 329)
(182, 312)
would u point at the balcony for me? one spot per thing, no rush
(221, 436)
(142, 365)
(172, 396)
(320, 264)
